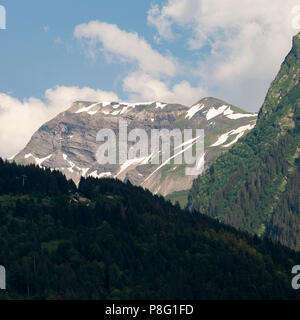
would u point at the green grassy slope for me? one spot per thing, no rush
(246, 186)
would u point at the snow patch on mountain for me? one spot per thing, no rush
(84, 171)
(92, 112)
(212, 113)
(87, 109)
(228, 112)
(38, 161)
(95, 174)
(117, 105)
(72, 166)
(239, 131)
(236, 116)
(160, 105)
(12, 157)
(193, 110)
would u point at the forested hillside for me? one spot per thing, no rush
(255, 186)
(110, 240)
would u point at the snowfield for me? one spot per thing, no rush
(239, 131)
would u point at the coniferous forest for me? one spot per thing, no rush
(110, 240)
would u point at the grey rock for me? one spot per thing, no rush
(68, 142)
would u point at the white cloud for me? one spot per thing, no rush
(151, 79)
(248, 40)
(161, 22)
(128, 46)
(141, 86)
(20, 119)
(181, 12)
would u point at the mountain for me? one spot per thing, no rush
(256, 185)
(110, 240)
(68, 142)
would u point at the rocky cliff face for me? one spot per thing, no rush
(68, 142)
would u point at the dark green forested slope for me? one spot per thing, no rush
(110, 240)
(255, 186)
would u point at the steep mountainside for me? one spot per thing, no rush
(255, 186)
(110, 240)
(68, 142)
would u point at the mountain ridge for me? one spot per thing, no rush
(68, 142)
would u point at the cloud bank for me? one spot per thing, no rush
(127, 46)
(247, 41)
(150, 79)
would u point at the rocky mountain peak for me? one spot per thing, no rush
(115, 108)
(68, 142)
(210, 108)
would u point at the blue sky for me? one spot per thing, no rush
(31, 60)
(38, 50)
(55, 52)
